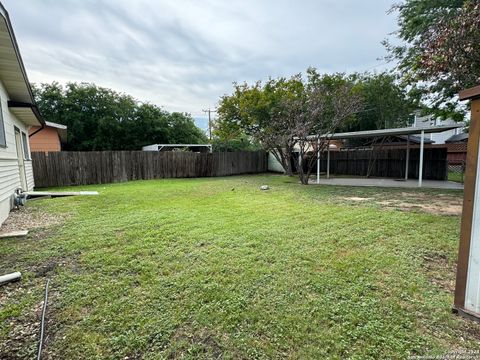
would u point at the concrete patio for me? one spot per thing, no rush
(411, 183)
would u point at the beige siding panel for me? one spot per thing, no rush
(8, 187)
(29, 172)
(6, 161)
(8, 174)
(5, 207)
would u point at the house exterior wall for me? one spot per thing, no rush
(150, 148)
(274, 165)
(9, 170)
(46, 140)
(439, 138)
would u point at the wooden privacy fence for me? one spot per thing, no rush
(389, 163)
(101, 167)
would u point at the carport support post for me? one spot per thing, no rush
(318, 160)
(420, 168)
(328, 161)
(407, 158)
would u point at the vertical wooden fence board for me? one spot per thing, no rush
(388, 163)
(100, 167)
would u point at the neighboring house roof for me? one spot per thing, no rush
(14, 77)
(463, 137)
(61, 129)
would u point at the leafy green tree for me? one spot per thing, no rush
(255, 110)
(183, 130)
(282, 113)
(226, 139)
(102, 119)
(386, 103)
(440, 54)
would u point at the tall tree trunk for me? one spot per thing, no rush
(283, 156)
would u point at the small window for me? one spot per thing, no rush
(26, 153)
(3, 139)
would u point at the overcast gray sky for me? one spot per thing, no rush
(184, 54)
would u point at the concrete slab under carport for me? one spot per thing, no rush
(372, 182)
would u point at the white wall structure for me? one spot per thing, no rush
(18, 112)
(472, 293)
(173, 147)
(274, 165)
(429, 120)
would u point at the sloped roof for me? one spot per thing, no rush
(463, 137)
(14, 76)
(61, 129)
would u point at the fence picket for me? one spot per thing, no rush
(100, 167)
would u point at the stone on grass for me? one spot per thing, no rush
(264, 187)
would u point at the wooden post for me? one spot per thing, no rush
(467, 288)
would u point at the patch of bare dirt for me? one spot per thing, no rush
(360, 199)
(27, 218)
(438, 204)
(22, 339)
(440, 271)
(23, 329)
(184, 338)
(450, 207)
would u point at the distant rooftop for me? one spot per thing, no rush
(463, 137)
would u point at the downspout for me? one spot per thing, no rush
(37, 131)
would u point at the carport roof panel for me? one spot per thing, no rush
(390, 132)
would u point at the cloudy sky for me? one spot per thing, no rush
(184, 54)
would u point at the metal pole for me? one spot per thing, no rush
(209, 125)
(420, 168)
(407, 158)
(209, 112)
(328, 161)
(318, 160)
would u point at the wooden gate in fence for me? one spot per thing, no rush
(100, 167)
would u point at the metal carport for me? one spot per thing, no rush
(379, 134)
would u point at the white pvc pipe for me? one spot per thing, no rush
(420, 168)
(407, 159)
(318, 160)
(328, 161)
(10, 277)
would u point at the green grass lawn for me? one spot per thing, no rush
(216, 268)
(456, 176)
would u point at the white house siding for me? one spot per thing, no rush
(29, 173)
(150, 148)
(274, 165)
(439, 138)
(9, 171)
